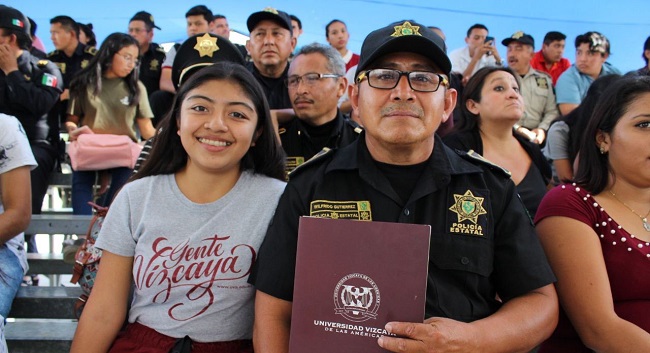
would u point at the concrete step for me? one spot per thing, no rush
(45, 302)
(40, 336)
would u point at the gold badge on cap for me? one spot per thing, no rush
(518, 35)
(206, 45)
(271, 10)
(406, 29)
(151, 18)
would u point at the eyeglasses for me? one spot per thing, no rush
(309, 79)
(422, 81)
(129, 59)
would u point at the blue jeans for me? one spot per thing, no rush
(11, 275)
(82, 188)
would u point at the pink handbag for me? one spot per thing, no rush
(103, 151)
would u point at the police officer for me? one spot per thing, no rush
(70, 56)
(316, 82)
(270, 46)
(29, 87)
(482, 242)
(536, 88)
(152, 55)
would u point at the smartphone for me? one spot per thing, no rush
(488, 39)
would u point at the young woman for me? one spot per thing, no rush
(337, 35)
(16, 162)
(187, 229)
(491, 106)
(107, 98)
(596, 231)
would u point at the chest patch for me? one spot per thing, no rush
(467, 214)
(359, 210)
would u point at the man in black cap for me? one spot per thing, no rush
(489, 286)
(270, 46)
(536, 88)
(29, 88)
(152, 55)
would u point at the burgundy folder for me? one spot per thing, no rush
(352, 277)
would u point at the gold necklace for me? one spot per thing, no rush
(644, 219)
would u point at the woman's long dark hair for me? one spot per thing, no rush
(168, 155)
(593, 167)
(469, 121)
(91, 75)
(578, 118)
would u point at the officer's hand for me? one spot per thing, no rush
(8, 61)
(540, 135)
(436, 334)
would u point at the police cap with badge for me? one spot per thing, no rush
(404, 36)
(145, 17)
(519, 37)
(270, 14)
(202, 50)
(13, 19)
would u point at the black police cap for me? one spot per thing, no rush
(519, 37)
(145, 17)
(202, 50)
(269, 13)
(13, 19)
(404, 36)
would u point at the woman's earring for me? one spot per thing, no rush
(602, 150)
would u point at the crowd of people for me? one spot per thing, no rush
(550, 160)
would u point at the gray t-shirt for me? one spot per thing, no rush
(15, 152)
(191, 261)
(557, 144)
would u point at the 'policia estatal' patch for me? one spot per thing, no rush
(467, 215)
(359, 210)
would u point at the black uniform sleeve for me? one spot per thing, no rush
(520, 264)
(34, 95)
(274, 269)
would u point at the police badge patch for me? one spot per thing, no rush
(468, 215)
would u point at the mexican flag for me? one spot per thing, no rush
(49, 80)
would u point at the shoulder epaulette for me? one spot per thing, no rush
(356, 127)
(90, 50)
(54, 52)
(43, 63)
(320, 156)
(473, 156)
(281, 131)
(160, 49)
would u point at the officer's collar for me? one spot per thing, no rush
(80, 49)
(338, 120)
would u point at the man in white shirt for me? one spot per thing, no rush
(479, 52)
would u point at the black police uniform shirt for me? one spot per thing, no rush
(301, 141)
(276, 90)
(151, 67)
(29, 93)
(69, 66)
(482, 242)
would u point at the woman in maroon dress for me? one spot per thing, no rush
(596, 231)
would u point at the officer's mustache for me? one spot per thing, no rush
(402, 107)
